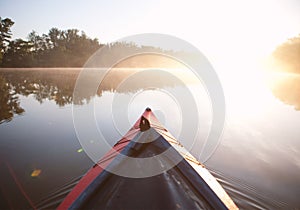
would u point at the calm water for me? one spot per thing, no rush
(257, 161)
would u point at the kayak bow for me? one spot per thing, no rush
(186, 185)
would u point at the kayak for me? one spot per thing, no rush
(171, 179)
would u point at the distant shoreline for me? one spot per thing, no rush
(79, 68)
(41, 69)
(63, 69)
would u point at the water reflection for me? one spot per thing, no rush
(9, 101)
(286, 87)
(259, 147)
(41, 147)
(58, 85)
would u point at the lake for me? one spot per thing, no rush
(42, 156)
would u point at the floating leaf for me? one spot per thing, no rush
(36, 173)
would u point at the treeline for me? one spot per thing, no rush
(67, 48)
(58, 48)
(288, 55)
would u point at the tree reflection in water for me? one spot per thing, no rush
(9, 101)
(58, 85)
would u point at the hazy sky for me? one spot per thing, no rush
(221, 29)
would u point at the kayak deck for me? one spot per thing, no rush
(184, 185)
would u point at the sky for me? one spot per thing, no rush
(228, 32)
